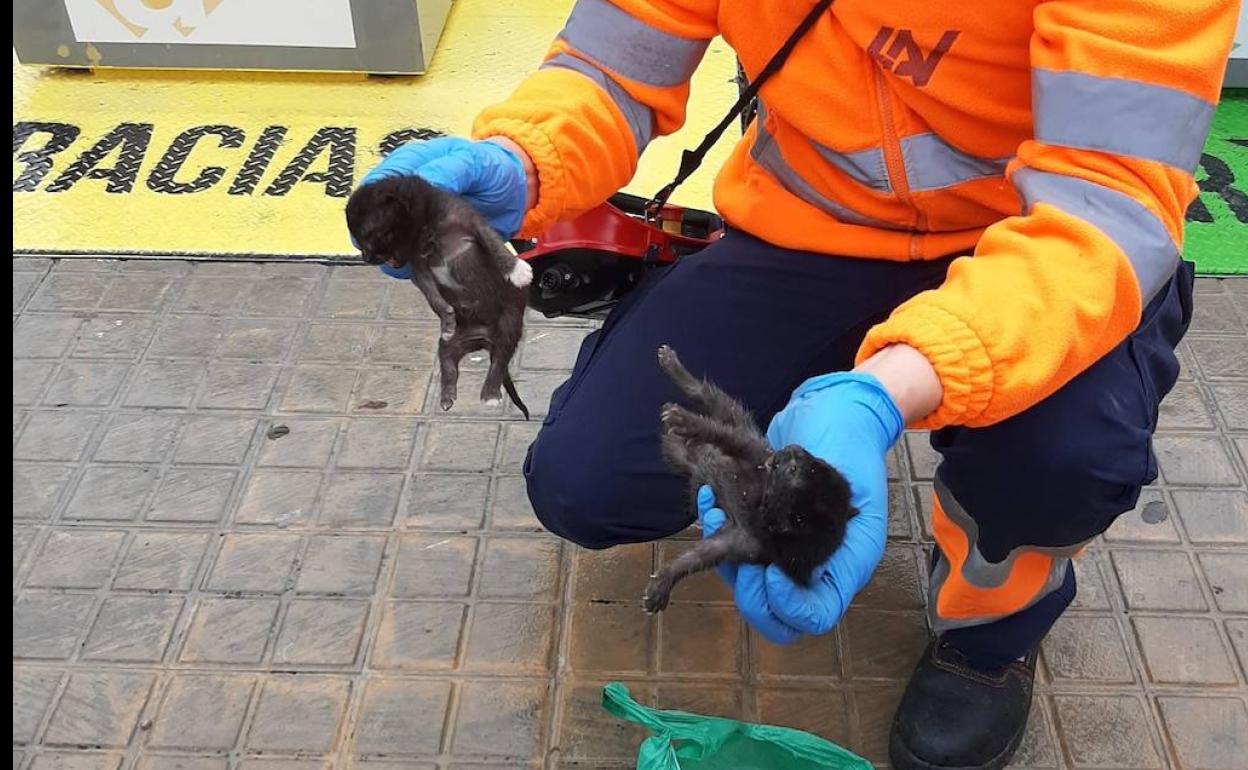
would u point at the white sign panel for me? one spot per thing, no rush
(300, 23)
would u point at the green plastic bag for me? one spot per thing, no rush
(682, 741)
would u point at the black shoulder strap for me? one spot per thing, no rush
(691, 159)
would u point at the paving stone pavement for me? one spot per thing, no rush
(192, 590)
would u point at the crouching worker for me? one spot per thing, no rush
(964, 217)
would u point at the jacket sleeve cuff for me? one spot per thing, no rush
(551, 186)
(954, 349)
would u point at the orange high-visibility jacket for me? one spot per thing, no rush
(1055, 141)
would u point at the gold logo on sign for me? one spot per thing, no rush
(138, 16)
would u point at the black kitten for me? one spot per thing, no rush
(472, 282)
(786, 507)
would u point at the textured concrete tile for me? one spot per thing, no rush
(700, 639)
(520, 568)
(187, 336)
(99, 709)
(434, 566)
(1194, 460)
(1231, 399)
(536, 389)
(365, 500)
(165, 384)
(1207, 733)
(210, 294)
(1227, 576)
(584, 735)
(376, 444)
(884, 644)
(516, 440)
(1158, 580)
(318, 389)
(180, 762)
(254, 562)
(922, 458)
(702, 587)
(1183, 650)
(37, 488)
(306, 445)
(413, 346)
(132, 629)
(23, 286)
(808, 657)
(65, 760)
(403, 302)
(29, 379)
(459, 446)
(229, 630)
(85, 383)
(112, 492)
(896, 583)
(418, 636)
(874, 707)
(1106, 731)
(23, 537)
(1221, 357)
(548, 348)
(161, 561)
(510, 638)
(1184, 409)
(137, 293)
(192, 495)
(44, 336)
(1237, 630)
(257, 763)
(218, 440)
(511, 509)
(447, 502)
(401, 717)
(256, 340)
(618, 574)
(68, 292)
(1213, 516)
(353, 299)
(280, 295)
(82, 559)
(346, 565)
(238, 386)
(33, 690)
(1087, 648)
(1037, 748)
(818, 712)
(282, 498)
(1215, 314)
(1151, 521)
(468, 401)
(501, 719)
(48, 625)
(1093, 593)
(339, 343)
(611, 638)
(299, 714)
(55, 435)
(115, 336)
(138, 438)
(321, 632)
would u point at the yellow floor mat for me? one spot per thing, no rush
(243, 163)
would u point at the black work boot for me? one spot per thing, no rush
(955, 717)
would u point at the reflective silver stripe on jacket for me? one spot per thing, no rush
(931, 164)
(1123, 117)
(767, 155)
(628, 46)
(1136, 230)
(639, 117)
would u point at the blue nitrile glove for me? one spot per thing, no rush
(850, 421)
(487, 175)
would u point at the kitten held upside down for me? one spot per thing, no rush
(784, 507)
(473, 283)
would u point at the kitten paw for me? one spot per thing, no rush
(521, 275)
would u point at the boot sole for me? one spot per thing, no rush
(902, 759)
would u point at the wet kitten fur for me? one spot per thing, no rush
(784, 507)
(476, 287)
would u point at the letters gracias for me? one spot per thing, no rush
(327, 158)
